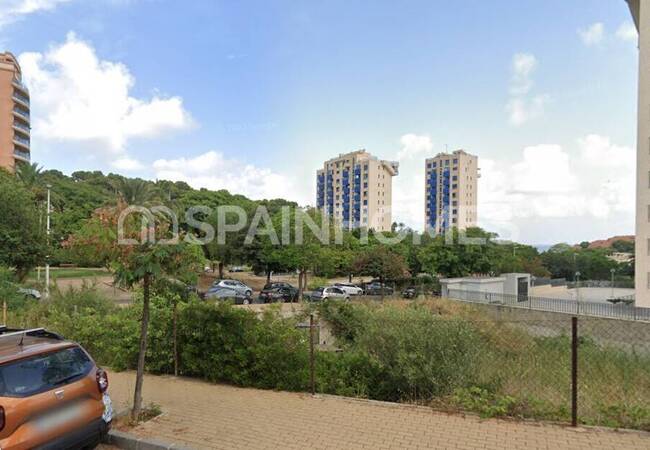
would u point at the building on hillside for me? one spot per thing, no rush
(640, 10)
(450, 191)
(356, 190)
(621, 257)
(14, 114)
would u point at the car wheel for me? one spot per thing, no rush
(249, 293)
(246, 301)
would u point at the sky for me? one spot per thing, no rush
(253, 97)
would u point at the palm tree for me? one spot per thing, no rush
(133, 191)
(29, 174)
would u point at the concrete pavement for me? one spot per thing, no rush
(201, 415)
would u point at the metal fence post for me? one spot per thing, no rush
(311, 354)
(574, 371)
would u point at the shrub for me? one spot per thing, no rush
(409, 354)
(346, 320)
(316, 282)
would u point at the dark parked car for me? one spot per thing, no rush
(278, 292)
(375, 288)
(410, 292)
(223, 293)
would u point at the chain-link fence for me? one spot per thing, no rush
(619, 310)
(567, 369)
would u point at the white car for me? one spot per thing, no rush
(349, 288)
(329, 292)
(235, 285)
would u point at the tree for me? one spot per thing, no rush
(133, 191)
(22, 242)
(380, 262)
(30, 175)
(142, 263)
(623, 246)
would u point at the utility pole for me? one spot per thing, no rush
(612, 271)
(47, 256)
(578, 291)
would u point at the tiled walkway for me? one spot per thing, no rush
(202, 415)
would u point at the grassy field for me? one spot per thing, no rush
(68, 272)
(518, 368)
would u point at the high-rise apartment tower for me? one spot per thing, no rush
(356, 189)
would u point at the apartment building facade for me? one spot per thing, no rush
(450, 191)
(640, 10)
(356, 190)
(14, 114)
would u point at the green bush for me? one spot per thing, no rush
(406, 354)
(394, 352)
(316, 282)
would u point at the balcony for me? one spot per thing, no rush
(22, 128)
(21, 141)
(17, 96)
(20, 86)
(22, 155)
(21, 113)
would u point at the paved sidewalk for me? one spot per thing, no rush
(201, 415)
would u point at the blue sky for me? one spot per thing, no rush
(252, 96)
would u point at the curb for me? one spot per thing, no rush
(130, 442)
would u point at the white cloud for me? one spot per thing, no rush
(522, 105)
(627, 32)
(127, 164)
(13, 10)
(593, 34)
(413, 146)
(598, 151)
(594, 182)
(522, 109)
(523, 65)
(408, 186)
(531, 175)
(78, 97)
(212, 170)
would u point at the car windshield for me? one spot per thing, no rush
(43, 372)
(318, 291)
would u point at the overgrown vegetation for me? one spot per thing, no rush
(430, 352)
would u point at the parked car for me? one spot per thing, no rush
(52, 393)
(224, 293)
(349, 288)
(410, 292)
(33, 293)
(278, 292)
(235, 285)
(235, 269)
(331, 292)
(375, 288)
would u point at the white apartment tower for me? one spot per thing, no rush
(450, 191)
(356, 190)
(641, 14)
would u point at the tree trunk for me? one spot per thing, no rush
(139, 377)
(350, 277)
(268, 276)
(175, 333)
(300, 285)
(304, 282)
(221, 270)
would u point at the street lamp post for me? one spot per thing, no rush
(612, 271)
(47, 256)
(578, 291)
